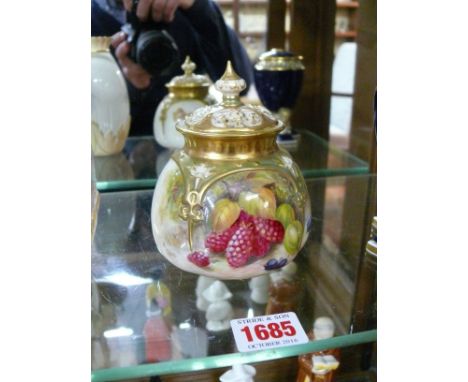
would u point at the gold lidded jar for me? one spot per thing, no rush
(231, 204)
(187, 93)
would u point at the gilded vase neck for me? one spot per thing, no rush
(188, 93)
(230, 148)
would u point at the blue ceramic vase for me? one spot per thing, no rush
(278, 80)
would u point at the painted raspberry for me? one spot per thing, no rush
(244, 217)
(271, 230)
(240, 247)
(217, 242)
(200, 259)
(261, 246)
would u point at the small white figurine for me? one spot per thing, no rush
(319, 366)
(219, 311)
(239, 373)
(203, 283)
(287, 273)
(323, 328)
(259, 289)
(322, 364)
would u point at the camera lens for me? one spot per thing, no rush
(157, 52)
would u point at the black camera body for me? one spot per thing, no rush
(150, 45)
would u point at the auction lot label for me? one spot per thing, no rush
(268, 332)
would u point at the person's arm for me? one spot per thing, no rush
(144, 91)
(219, 42)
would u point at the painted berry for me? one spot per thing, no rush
(244, 217)
(240, 247)
(261, 246)
(200, 259)
(275, 264)
(217, 242)
(293, 237)
(271, 264)
(285, 214)
(271, 230)
(282, 263)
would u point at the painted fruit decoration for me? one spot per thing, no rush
(231, 204)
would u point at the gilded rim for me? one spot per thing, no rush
(270, 61)
(100, 44)
(230, 149)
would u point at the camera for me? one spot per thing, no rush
(150, 45)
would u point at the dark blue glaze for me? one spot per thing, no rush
(275, 264)
(277, 89)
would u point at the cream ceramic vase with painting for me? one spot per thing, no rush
(231, 204)
(110, 106)
(186, 94)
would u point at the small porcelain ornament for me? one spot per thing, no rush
(239, 373)
(323, 364)
(259, 289)
(286, 273)
(231, 204)
(110, 106)
(186, 94)
(219, 311)
(324, 328)
(203, 283)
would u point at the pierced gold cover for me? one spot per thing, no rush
(230, 129)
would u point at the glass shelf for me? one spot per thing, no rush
(124, 257)
(142, 159)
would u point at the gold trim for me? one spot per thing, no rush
(94, 212)
(191, 209)
(109, 143)
(230, 130)
(280, 170)
(165, 105)
(188, 66)
(269, 61)
(230, 148)
(231, 85)
(189, 80)
(100, 44)
(221, 123)
(371, 248)
(189, 92)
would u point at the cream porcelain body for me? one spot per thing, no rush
(187, 93)
(167, 114)
(110, 106)
(230, 204)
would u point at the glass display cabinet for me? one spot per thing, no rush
(142, 159)
(127, 270)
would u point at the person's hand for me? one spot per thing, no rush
(158, 10)
(134, 73)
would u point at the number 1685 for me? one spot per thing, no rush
(272, 330)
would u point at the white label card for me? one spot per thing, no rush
(268, 332)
